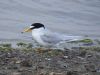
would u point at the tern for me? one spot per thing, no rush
(48, 38)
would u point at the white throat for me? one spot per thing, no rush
(37, 33)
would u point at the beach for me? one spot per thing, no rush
(20, 54)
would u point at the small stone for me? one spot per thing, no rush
(15, 73)
(2, 73)
(47, 59)
(26, 63)
(89, 55)
(98, 70)
(72, 73)
(62, 64)
(69, 73)
(80, 58)
(27, 72)
(53, 73)
(40, 67)
(65, 57)
(90, 67)
(18, 62)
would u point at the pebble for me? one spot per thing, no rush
(65, 57)
(48, 59)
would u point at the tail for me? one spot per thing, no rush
(73, 38)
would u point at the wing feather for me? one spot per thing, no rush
(51, 38)
(54, 38)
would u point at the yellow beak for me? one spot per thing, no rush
(27, 30)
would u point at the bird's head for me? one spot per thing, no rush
(34, 26)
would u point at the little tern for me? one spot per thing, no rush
(47, 38)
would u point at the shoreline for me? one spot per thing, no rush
(73, 44)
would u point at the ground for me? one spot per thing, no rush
(30, 61)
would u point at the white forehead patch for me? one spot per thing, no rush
(31, 26)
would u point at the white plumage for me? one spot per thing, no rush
(47, 38)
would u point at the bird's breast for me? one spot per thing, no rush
(38, 39)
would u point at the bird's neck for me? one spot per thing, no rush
(38, 32)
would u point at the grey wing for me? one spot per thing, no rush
(51, 38)
(54, 38)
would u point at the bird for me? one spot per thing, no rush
(47, 38)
